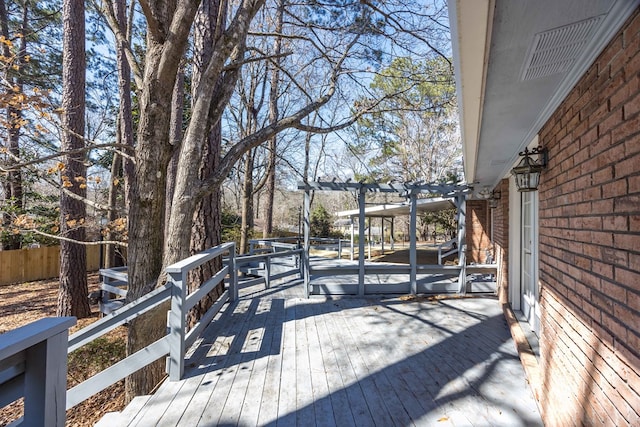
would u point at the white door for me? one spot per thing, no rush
(529, 261)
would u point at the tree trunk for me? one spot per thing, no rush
(273, 118)
(175, 135)
(72, 297)
(125, 128)
(146, 217)
(206, 231)
(109, 250)
(13, 186)
(167, 34)
(247, 203)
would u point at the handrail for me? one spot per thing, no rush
(453, 244)
(119, 317)
(244, 259)
(175, 342)
(33, 365)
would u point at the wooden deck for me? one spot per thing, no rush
(275, 358)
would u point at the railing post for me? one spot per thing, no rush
(39, 350)
(339, 248)
(177, 324)
(233, 274)
(267, 278)
(462, 280)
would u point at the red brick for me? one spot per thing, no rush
(613, 123)
(632, 145)
(610, 156)
(602, 175)
(615, 188)
(615, 223)
(601, 207)
(634, 184)
(633, 301)
(592, 193)
(626, 129)
(627, 277)
(603, 302)
(592, 311)
(632, 106)
(615, 326)
(611, 54)
(602, 269)
(630, 318)
(631, 358)
(614, 290)
(626, 242)
(634, 223)
(597, 115)
(614, 257)
(626, 167)
(602, 238)
(630, 204)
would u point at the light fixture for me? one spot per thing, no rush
(493, 200)
(485, 193)
(527, 173)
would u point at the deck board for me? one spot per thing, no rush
(274, 358)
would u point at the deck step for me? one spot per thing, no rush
(111, 419)
(134, 407)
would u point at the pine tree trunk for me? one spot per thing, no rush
(125, 128)
(13, 187)
(206, 231)
(72, 297)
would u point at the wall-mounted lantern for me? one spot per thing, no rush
(493, 200)
(527, 173)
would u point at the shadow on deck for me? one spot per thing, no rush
(273, 358)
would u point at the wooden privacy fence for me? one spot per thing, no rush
(25, 265)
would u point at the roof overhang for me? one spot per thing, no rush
(515, 62)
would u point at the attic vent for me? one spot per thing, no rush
(555, 50)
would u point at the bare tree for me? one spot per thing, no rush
(273, 118)
(168, 27)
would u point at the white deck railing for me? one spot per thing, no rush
(33, 358)
(451, 246)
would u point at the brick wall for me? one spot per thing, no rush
(501, 240)
(590, 244)
(478, 231)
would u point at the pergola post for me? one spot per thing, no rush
(382, 233)
(361, 219)
(391, 238)
(307, 245)
(352, 238)
(413, 258)
(369, 239)
(462, 242)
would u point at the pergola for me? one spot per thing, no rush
(392, 210)
(455, 192)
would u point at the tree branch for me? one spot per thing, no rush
(107, 12)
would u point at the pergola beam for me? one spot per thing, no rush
(402, 188)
